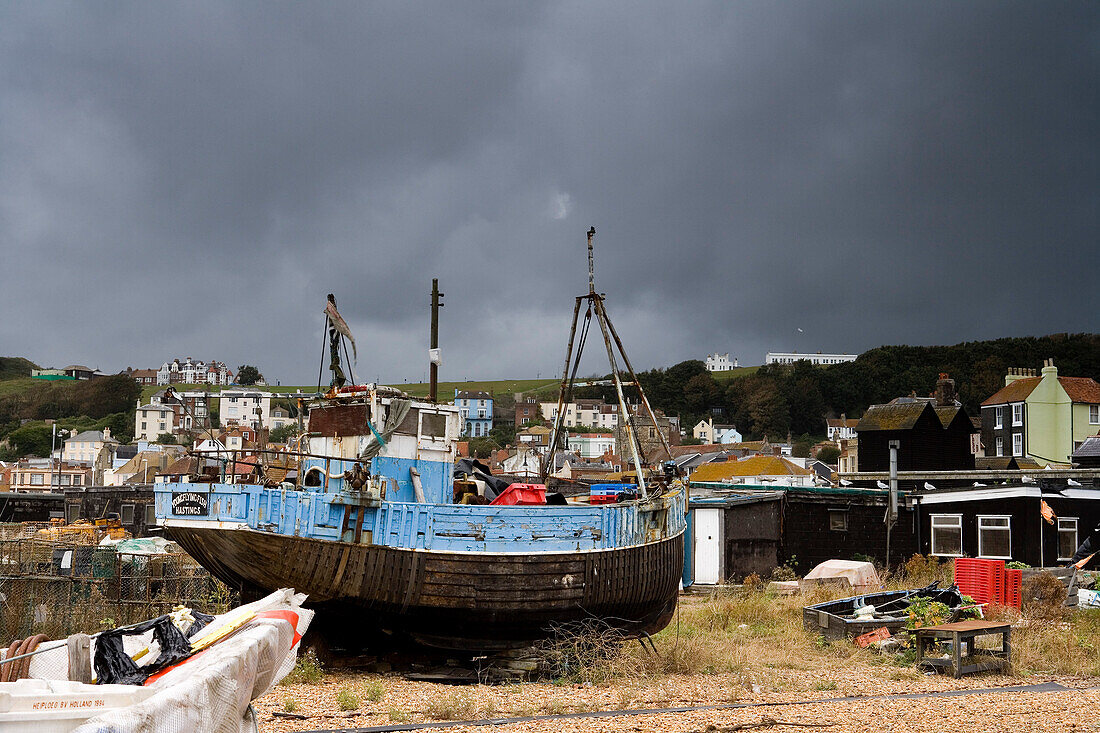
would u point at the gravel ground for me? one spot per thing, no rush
(402, 701)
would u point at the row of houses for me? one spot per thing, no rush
(187, 371)
(191, 411)
(1035, 420)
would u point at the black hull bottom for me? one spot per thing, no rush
(469, 601)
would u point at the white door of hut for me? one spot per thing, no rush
(708, 545)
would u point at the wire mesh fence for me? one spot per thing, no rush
(60, 587)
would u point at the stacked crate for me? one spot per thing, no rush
(1014, 580)
(987, 581)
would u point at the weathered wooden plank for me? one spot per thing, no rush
(506, 596)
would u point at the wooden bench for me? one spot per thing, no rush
(963, 633)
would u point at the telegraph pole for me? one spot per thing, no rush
(433, 353)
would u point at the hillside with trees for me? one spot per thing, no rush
(797, 398)
(81, 405)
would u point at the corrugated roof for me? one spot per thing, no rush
(902, 416)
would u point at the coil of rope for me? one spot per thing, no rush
(20, 668)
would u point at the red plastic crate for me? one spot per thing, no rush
(521, 494)
(982, 580)
(1014, 580)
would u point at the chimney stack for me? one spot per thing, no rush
(945, 391)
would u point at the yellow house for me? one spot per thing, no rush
(1043, 416)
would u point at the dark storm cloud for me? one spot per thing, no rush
(192, 179)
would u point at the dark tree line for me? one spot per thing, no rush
(781, 399)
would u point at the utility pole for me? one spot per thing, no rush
(892, 511)
(433, 353)
(57, 460)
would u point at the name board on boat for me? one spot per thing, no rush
(190, 503)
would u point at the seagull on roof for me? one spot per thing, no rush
(1071, 482)
(882, 485)
(929, 486)
(978, 483)
(845, 482)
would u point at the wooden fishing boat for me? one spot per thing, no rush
(370, 530)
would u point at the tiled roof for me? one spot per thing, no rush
(1016, 391)
(473, 396)
(91, 436)
(683, 450)
(1090, 448)
(1081, 389)
(754, 466)
(838, 423)
(901, 416)
(947, 413)
(183, 467)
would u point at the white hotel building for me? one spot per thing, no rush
(818, 358)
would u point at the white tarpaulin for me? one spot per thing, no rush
(209, 691)
(861, 575)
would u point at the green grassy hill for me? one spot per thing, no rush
(722, 377)
(15, 367)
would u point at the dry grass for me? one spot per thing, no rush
(458, 705)
(759, 638)
(307, 670)
(347, 699)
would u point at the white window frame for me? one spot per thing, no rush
(1094, 414)
(1000, 443)
(999, 417)
(1017, 444)
(1076, 537)
(1017, 414)
(1007, 528)
(957, 524)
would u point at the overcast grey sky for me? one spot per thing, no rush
(192, 179)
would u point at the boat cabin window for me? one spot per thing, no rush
(433, 425)
(409, 425)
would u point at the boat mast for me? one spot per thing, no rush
(613, 343)
(338, 378)
(433, 352)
